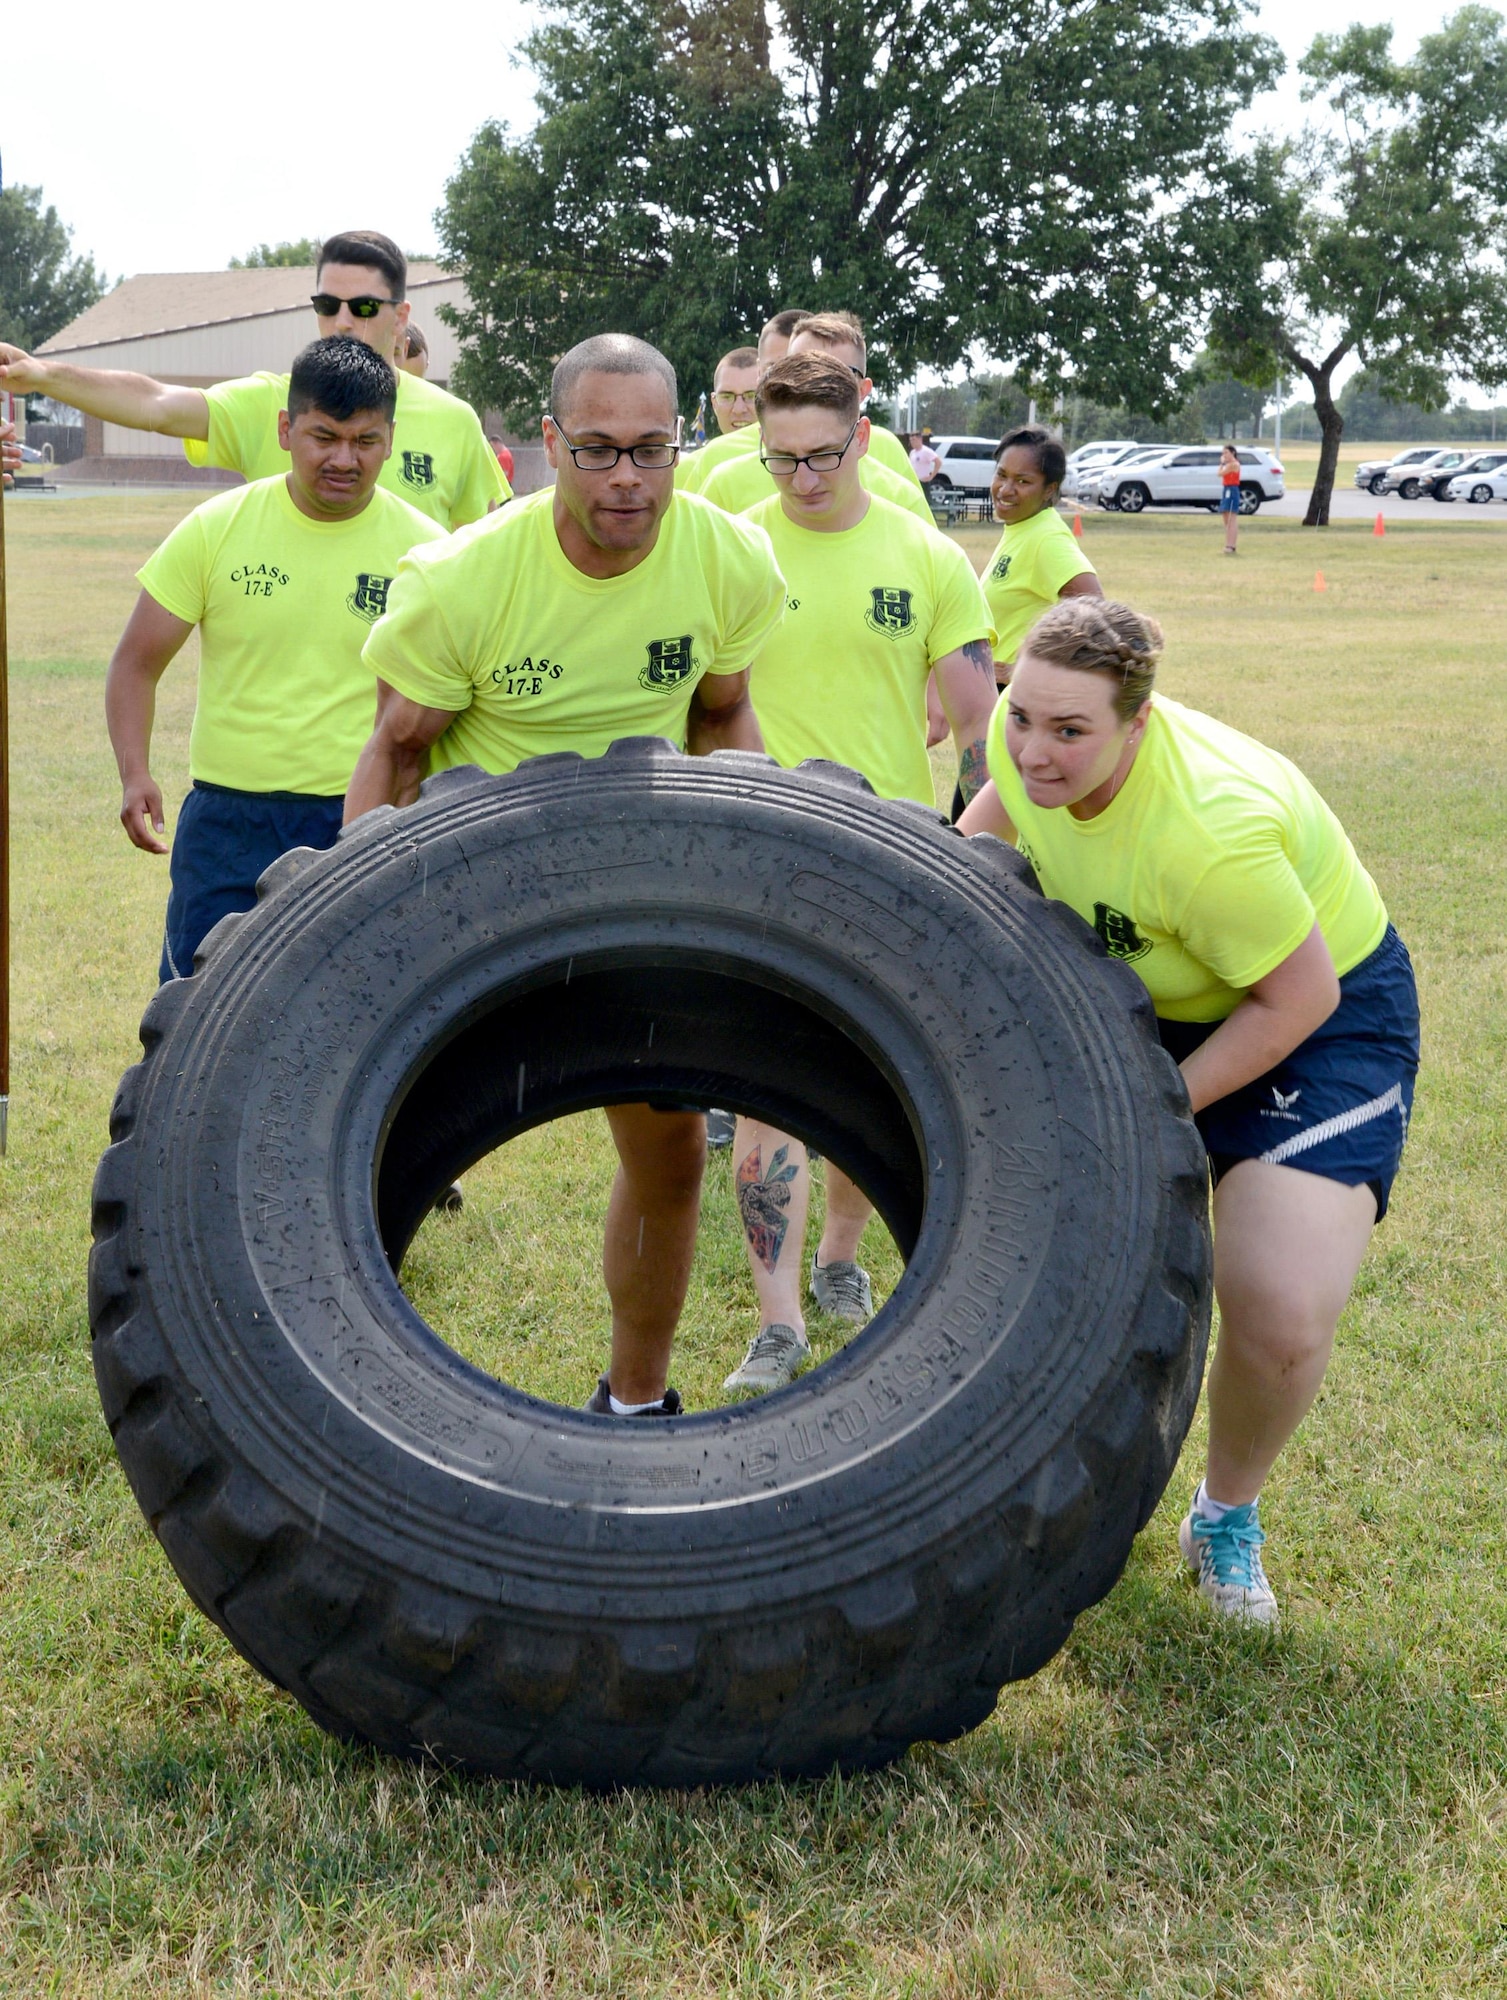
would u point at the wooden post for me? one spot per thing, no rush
(4, 842)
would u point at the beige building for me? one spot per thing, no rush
(201, 327)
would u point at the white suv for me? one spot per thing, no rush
(1188, 476)
(967, 463)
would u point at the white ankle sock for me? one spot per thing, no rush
(631, 1409)
(1211, 1509)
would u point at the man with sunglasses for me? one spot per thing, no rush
(607, 606)
(876, 603)
(441, 462)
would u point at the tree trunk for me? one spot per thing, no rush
(1331, 429)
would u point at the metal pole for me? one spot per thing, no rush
(1277, 429)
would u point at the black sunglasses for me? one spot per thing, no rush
(327, 305)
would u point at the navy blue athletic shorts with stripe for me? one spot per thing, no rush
(1339, 1105)
(223, 841)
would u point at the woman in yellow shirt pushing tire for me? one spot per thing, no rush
(1214, 869)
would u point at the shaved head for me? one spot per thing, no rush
(609, 354)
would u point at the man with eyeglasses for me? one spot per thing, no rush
(696, 467)
(607, 606)
(741, 482)
(733, 386)
(875, 604)
(441, 462)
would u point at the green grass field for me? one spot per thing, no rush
(1171, 1808)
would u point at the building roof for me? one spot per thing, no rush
(156, 302)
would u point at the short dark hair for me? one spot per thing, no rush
(739, 357)
(801, 380)
(609, 354)
(783, 324)
(417, 344)
(370, 249)
(1051, 458)
(340, 377)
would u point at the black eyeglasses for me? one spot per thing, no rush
(366, 307)
(602, 457)
(733, 395)
(782, 465)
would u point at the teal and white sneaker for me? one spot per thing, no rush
(1227, 1557)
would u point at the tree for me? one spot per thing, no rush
(1038, 178)
(1378, 232)
(42, 287)
(279, 256)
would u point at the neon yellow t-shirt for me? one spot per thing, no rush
(868, 612)
(1026, 573)
(694, 468)
(283, 605)
(500, 627)
(441, 462)
(742, 483)
(1210, 865)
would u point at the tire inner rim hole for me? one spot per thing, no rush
(676, 1036)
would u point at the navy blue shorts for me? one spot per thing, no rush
(1229, 499)
(1339, 1105)
(223, 841)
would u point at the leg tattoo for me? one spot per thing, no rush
(762, 1201)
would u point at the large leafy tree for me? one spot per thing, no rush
(1377, 234)
(42, 285)
(1040, 178)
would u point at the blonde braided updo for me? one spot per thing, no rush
(1098, 636)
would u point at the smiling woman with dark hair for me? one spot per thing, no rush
(1039, 559)
(1212, 867)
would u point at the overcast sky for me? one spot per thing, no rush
(175, 136)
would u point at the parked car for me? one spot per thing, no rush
(1408, 481)
(967, 464)
(1188, 476)
(1092, 480)
(1442, 485)
(1481, 485)
(1083, 472)
(1099, 448)
(1371, 473)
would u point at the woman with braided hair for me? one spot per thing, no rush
(1214, 869)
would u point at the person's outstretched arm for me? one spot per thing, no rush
(139, 402)
(150, 640)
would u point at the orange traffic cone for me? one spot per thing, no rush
(1318, 580)
(1381, 526)
(1078, 525)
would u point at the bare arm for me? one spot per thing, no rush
(1085, 584)
(391, 768)
(150, 640)
(1277, 1013)
(722, 716)
(985, 813)
(965, 682)
(138, 401)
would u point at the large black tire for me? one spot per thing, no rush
(442, 1565)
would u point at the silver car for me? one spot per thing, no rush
(1371, 473)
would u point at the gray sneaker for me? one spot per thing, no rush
(842, 1290)
(720, 1129)
(776, 1355)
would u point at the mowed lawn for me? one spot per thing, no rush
(1170, 1808)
